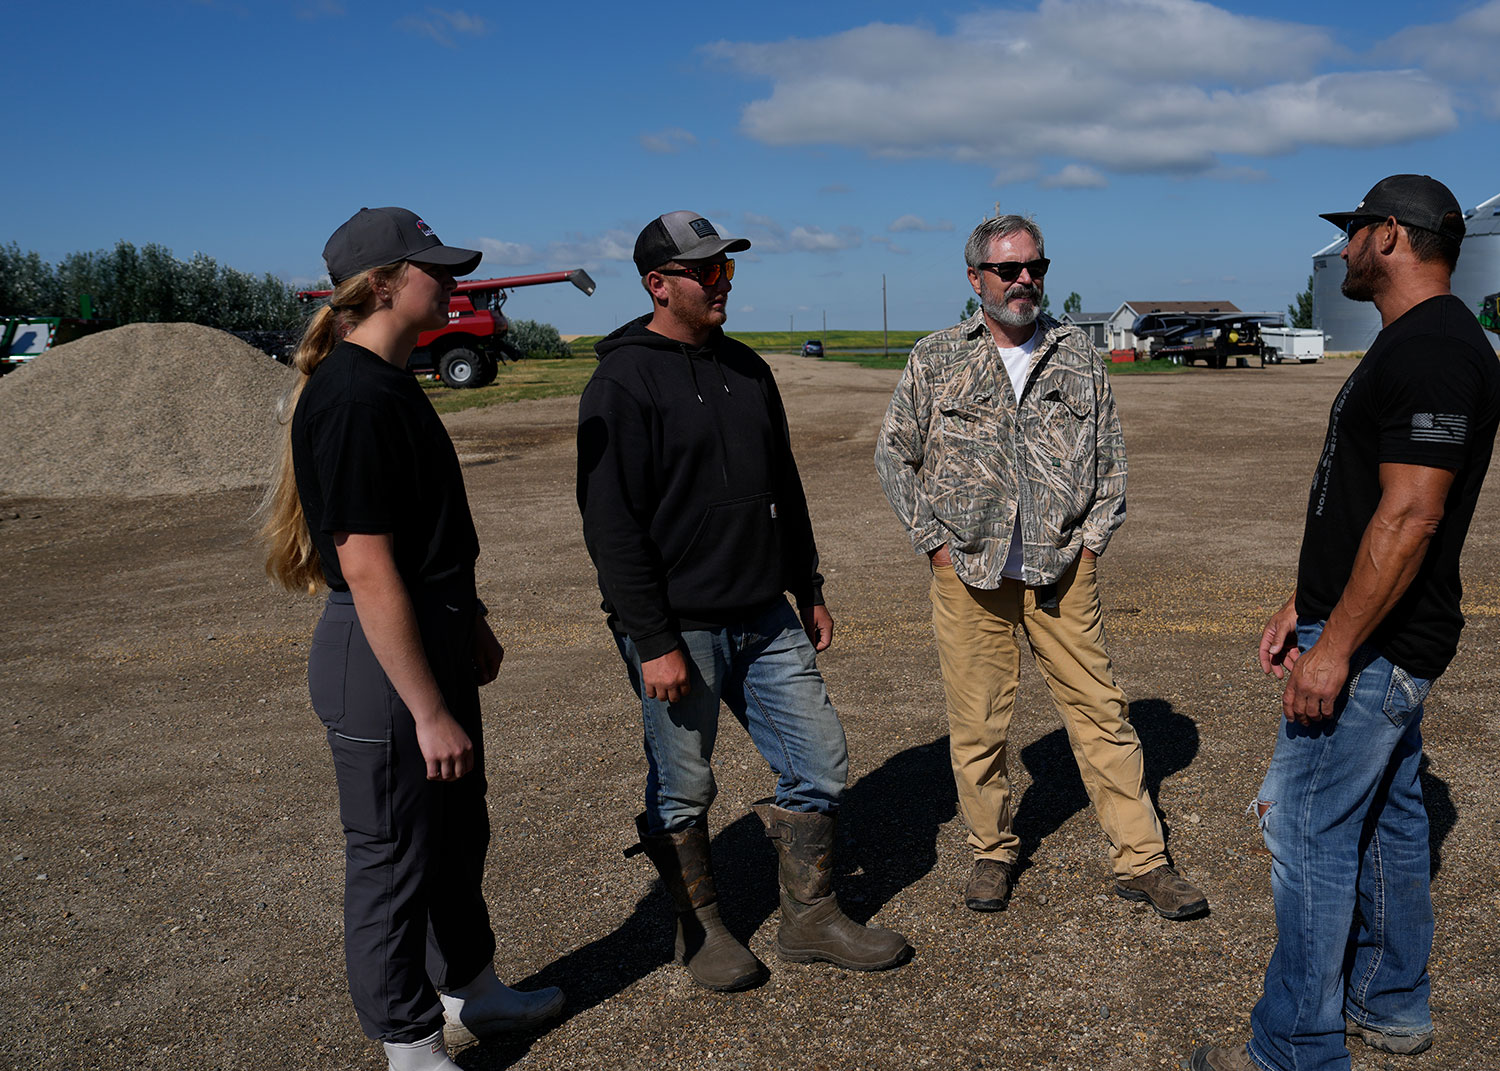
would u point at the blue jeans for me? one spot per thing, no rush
(1341, 810)
(766, 673)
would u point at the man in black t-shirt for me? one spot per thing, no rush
(1374, 621)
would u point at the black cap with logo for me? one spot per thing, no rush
(376, 236)
(681, 236)
(1415, 200)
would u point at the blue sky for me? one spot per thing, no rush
(1168, 148)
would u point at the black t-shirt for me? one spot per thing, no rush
(1426, 393)
(371, 457)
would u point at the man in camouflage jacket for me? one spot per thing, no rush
(1001, 452)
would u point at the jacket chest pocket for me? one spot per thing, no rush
(1065, 426)
(967, 418)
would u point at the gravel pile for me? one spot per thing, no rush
(144, 409)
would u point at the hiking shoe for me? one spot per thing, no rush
(1170, 894)
(989, 885)
(1400, 1044)
(1221, 1058)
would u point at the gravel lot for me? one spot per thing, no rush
(172, 869)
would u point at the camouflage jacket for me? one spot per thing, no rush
(958, 456)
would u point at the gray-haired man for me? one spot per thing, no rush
(1002, 455)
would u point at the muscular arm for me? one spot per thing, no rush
(1389, 556)
(390, 624)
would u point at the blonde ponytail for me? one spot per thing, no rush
(291, 556)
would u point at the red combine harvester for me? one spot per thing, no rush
(469, 351)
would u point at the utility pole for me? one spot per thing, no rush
(825, 321)
(885, 324)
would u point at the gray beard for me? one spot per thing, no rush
(1002, 313)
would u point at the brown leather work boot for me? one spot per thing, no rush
(1221, 1058)
(704, 946)
(989, 885)
(1170, 894)
(813, 927)
(1400, 1044)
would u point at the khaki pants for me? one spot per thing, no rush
(981, 661)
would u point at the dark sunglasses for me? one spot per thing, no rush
(704, 274)
(1010, 270)
(1359, 223)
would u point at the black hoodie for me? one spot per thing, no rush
(692, 507)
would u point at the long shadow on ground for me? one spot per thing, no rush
(888, 830)
(1168, 739)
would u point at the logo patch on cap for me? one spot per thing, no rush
(703, 228)
(425, 229)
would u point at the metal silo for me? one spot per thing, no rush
(1478, 271)
(1346, 325)
(1352, 325)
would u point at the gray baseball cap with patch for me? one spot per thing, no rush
(376, 236)
(681, 236)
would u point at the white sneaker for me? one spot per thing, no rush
(487, 1007)
(429, 1054)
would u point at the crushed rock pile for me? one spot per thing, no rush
(144, 409)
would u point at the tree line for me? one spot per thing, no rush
(149, 284)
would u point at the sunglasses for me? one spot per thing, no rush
(1359, 223)
(704, 274)
(1010, 270)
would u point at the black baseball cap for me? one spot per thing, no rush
(375, 236)
(681, 236)
(1415, 200)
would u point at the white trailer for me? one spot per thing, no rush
(1292, 345)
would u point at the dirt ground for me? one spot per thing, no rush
(172, 862)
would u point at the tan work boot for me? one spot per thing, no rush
(989, 885)
(813, 927)
(704, 945)
(1170, 894)
(1221, 1058)
(1400, 1044)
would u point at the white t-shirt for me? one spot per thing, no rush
(1017, 361)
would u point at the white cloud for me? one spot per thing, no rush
(771, 236)
(668, 141)
(510, 254)
(589, 250)
(917, 223)
(443, 26)
(1075, 177)
(890, 244)
(1070, 88)
(817, 240)
(1463, 50)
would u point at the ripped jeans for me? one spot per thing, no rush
(1342, 814)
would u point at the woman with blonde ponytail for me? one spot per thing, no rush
(369, 500)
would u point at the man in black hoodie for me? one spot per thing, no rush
(695, 518)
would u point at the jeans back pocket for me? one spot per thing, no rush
(1405, 695)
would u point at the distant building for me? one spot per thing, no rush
(1352, 325)
(1120, 321)
(1094, 324)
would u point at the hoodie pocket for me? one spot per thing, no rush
(733, 559)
